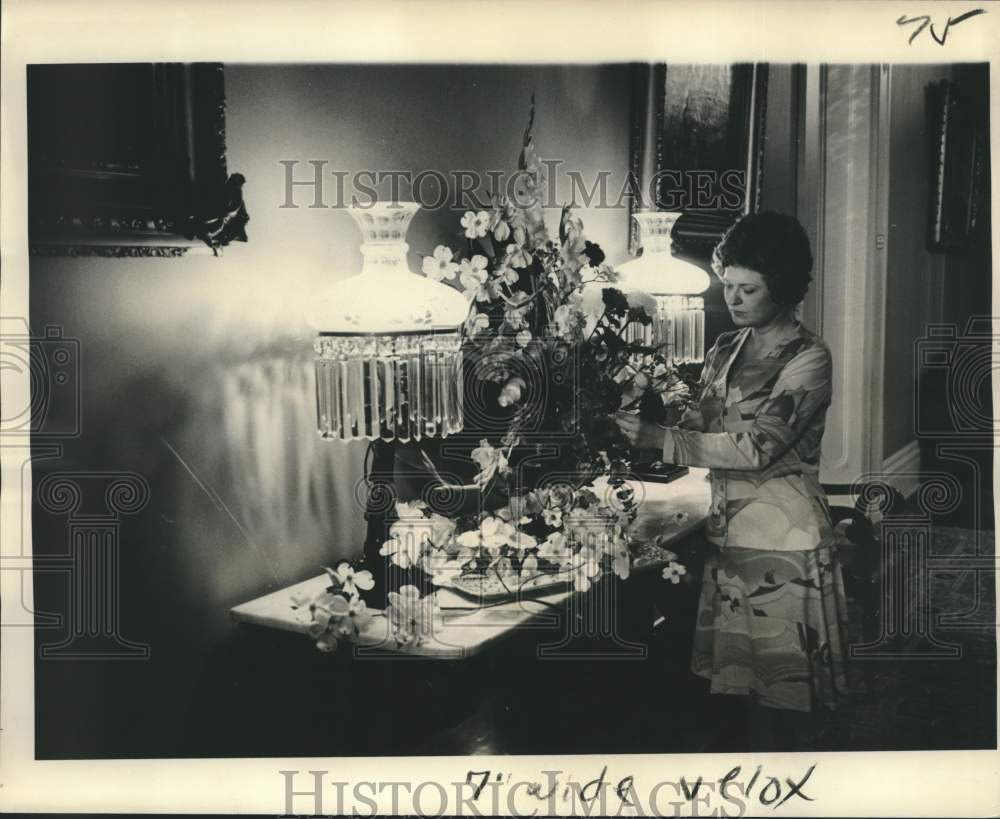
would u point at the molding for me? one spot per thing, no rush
(809, 83)
(757, 138)
(848, 122)
(902, 469)
(109, 251)
(877, 264)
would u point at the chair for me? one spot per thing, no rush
(860, 552)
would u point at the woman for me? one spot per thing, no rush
(772, 614)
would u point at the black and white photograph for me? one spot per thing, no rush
(455, 413)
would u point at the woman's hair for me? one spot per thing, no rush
(774, 245)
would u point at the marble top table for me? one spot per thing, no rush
(463, 626)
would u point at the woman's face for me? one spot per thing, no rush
(748, 299)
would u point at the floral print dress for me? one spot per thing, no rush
(772, 614)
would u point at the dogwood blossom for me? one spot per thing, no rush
(674, 571)
(552, 517)
(511, 393)
(499, 226)
(473, 277)
(490, 461)
(350, 581)
(411, 617)
(415, 532)
(555, 549)
(621, 563)
(475, 224)
(517, 256)
(335, 618)
(584, 566)
(477, 323)
(404, 547)
(439, 265)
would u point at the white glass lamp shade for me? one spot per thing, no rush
(675, 284)
(388, 354)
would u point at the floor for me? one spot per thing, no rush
(271, 694)
(916, 700)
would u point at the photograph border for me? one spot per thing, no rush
(845, 784)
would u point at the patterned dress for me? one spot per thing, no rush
(772, 614)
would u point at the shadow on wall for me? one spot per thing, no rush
(243, 498)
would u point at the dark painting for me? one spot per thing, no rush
(125, 159)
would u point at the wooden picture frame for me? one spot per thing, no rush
(699, 119)
(957, 152)
(129, 159)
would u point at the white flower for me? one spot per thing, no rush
(473, 276)
(508, 274)
(673, 572)
(412, 534)
(515, 317)
(350, 581)
(490, 461)
(440, 266)
(411, 618)
(410, 510)
(584, 567)
(621, 563)
(552, 517)
(495, 533)
(529, 567)
(348, 617)
(567, 319)
(501, 231)
(477, 323)
(523, 338)
(476, 224)
(404, 546)
(588, 526)
(554, 549)
(522, 541)
(337, 618)
(470, 541)
(512, 392)
(517, 256)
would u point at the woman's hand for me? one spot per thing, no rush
(640, 433)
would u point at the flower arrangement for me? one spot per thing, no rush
(557, 533)
(537, 305)
(543, 305)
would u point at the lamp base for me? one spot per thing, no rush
(380, 514)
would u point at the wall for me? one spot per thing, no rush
(914, 276)
(196, 371)
(924, 289)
